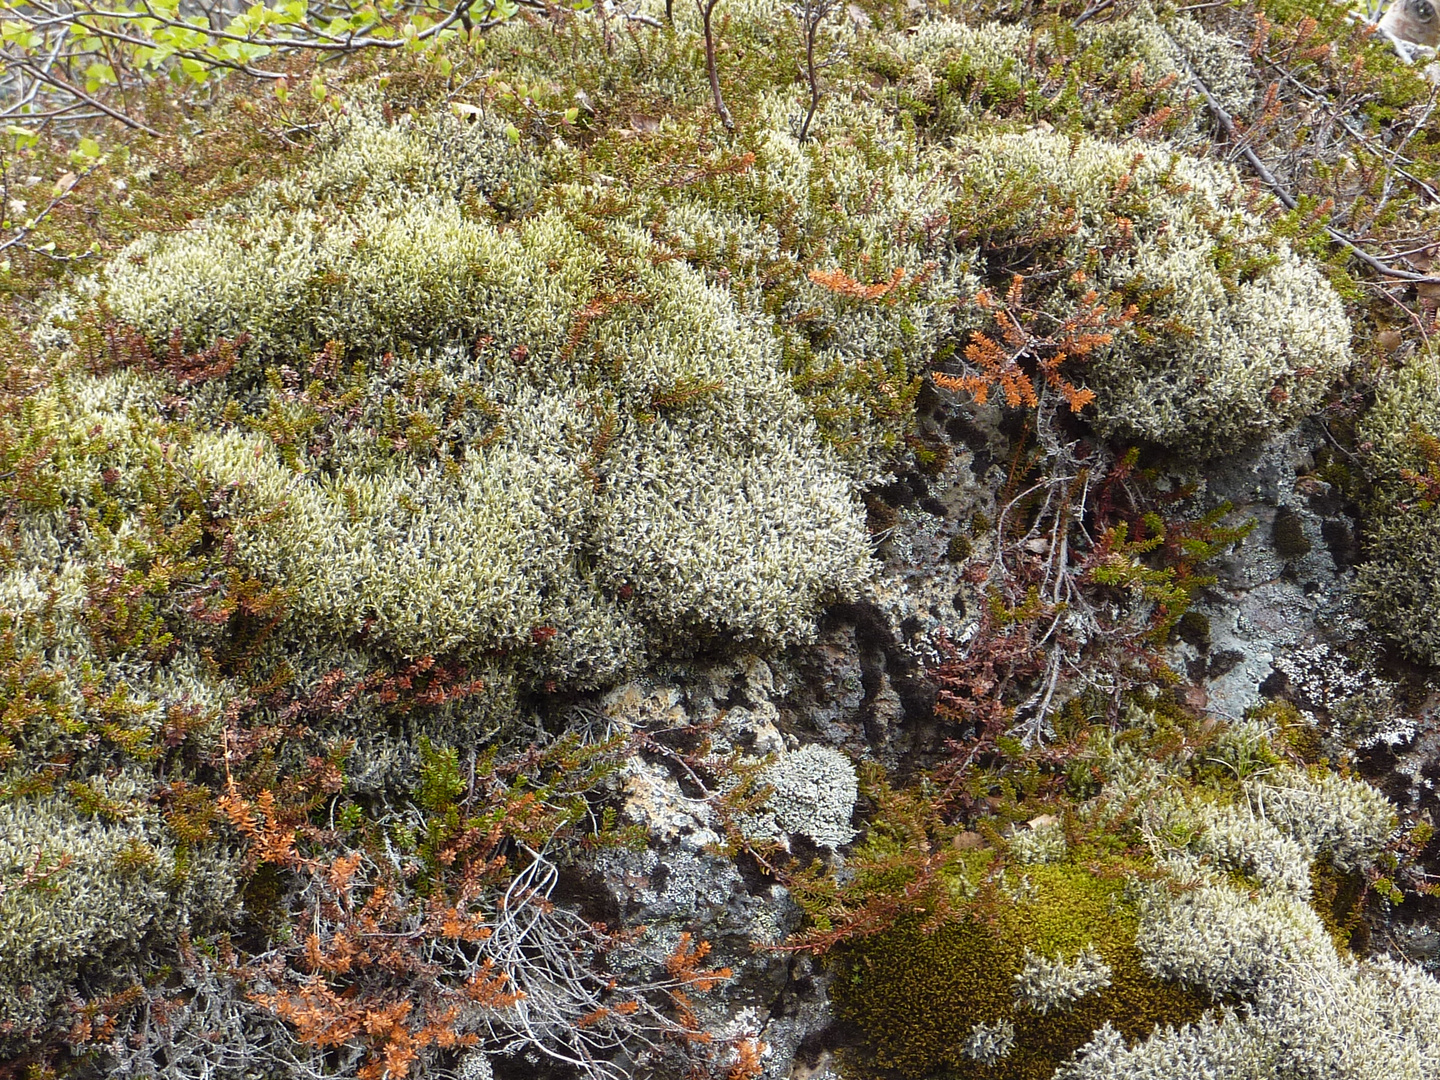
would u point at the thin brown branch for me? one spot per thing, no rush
(50, 78)
(1227, 125)
(707, 8)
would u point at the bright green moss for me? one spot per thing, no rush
(918, 995)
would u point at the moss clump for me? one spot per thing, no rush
(1287, 533)
(1194, 628)
(918, 995)
(1398, 585)
(1337, 898)
(1302, 737)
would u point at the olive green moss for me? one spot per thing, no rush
(917, 995)
(1294, 732)
(1194, 628)
(1287, 533)
(1339, 899)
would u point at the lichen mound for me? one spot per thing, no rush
(596, 451)
(1237, 336)
(1398, 585)
(88, 896)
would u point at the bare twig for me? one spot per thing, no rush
(707, 9)
(812, 14)
(1090, 12)
(1227, 125)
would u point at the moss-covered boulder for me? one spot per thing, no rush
(951, 1001)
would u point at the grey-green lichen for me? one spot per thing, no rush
(638, 469)
(811, 792)
(1245, 335)
(1116, 77)
(1398, 585)
(86, 893)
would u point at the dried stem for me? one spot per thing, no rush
(707, 8)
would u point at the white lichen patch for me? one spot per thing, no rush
(812, 794)
(1252, 350)
(1047, 984)
(989, 1044)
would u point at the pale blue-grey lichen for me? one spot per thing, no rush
(1049, 983)
(1248, 351)
(811, 793)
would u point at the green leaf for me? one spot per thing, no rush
(196, 71)
(24, 137)
(512, 133)
(98, 75)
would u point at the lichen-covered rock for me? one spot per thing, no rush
(812, 793)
